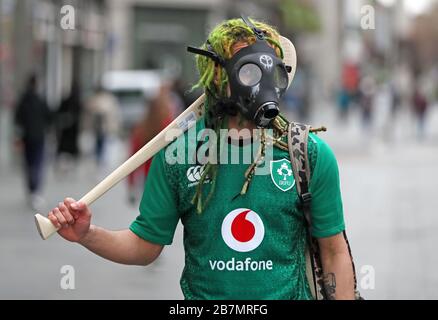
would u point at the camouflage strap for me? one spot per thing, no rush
(297, 142)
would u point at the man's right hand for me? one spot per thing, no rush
(73, 218)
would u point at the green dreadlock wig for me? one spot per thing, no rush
(213, 77)
(214, 80)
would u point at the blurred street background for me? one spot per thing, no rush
(107, 75)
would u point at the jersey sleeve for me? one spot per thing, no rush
(327, 209)
(158, 210)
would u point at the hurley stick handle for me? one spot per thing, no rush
(187, 119)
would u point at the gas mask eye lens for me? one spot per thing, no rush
(280, 76)
(250, 74)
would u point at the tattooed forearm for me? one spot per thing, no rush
(330, 285)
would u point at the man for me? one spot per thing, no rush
(244, 236)
(32, 118)
(102, 116)
(68, 122)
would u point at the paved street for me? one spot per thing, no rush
(30, 268)
(389, 192)
(390, 202)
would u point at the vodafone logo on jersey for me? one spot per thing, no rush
(243, 230)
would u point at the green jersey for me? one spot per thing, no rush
(242, 247)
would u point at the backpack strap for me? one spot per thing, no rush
(297, 142)
(298, 135)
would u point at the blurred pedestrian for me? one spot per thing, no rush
(186, 96)
(420, 106)
(68, 124)
(395, 100)
(32, 118)
(160, 113)
(367, 92)
(103, 116)
(176, 96)
(350, 91)
(343, 103)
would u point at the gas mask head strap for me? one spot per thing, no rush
(207, 53)
(260, 35)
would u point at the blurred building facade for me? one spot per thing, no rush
(34, 41)
(148, 34)
(153, 34)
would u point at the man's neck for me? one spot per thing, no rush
(240, 129)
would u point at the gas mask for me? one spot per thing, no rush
(257, 78)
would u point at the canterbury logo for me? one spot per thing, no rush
(194, 173)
